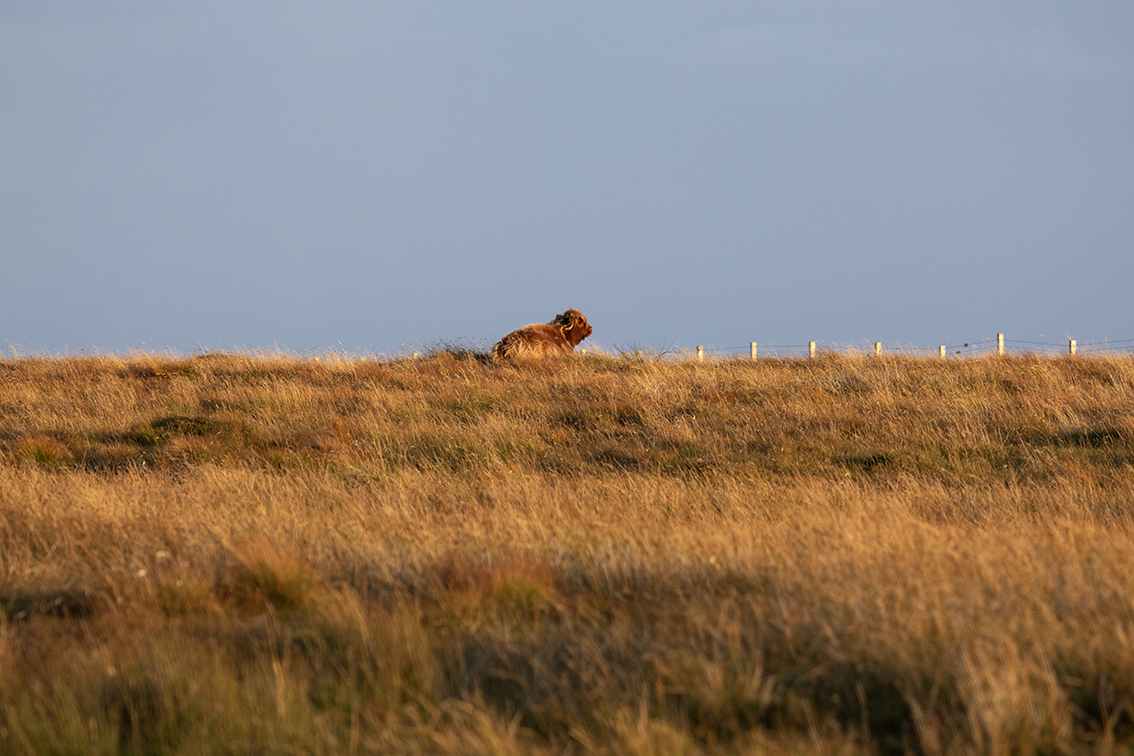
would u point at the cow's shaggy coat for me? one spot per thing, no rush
(560, 336)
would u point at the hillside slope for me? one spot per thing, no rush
(234, 553)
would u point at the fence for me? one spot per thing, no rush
(998, 345)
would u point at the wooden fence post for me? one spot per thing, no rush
(811, 349)
(942, 352)
(1000, 343)
(877, 348)
(1072, 346)
(700, 352)
(753, 350)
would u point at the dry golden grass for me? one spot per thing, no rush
(238, 553)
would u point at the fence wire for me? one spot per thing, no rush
(975, 348)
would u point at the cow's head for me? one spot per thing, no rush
(574, 326)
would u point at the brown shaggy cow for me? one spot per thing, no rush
(560, 336)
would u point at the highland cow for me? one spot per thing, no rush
(560, 336)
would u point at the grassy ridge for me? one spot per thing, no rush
(233, 553)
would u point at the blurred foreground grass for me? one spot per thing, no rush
(243, 554)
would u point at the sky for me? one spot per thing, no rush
(378, 177)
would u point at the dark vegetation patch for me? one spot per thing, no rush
(1101, 436)
(460, 350)
(868, 462)
(21, 605)
(172, 425)
(617, 458)
(47, 452)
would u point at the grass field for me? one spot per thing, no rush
(268, 554)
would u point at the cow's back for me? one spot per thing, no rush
(537, 340)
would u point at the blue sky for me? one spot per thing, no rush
(377, 176)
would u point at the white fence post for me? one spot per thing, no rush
(1000, 343)
(942, 352)
(811, 349)
(1072, 346)
(753, 350)
(700, 352)
(877, 348)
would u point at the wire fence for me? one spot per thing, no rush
(995, 345)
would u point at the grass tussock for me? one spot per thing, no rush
(238, 554)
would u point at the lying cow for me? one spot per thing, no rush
(560, 336)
